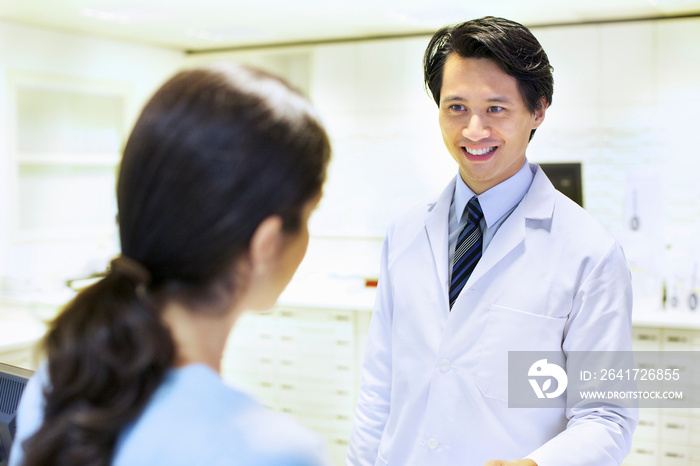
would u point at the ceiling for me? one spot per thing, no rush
(203, 25)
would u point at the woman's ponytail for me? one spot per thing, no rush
(107, 353)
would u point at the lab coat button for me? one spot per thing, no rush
(433, 443)
(445, 365)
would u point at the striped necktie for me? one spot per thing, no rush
(468, 249)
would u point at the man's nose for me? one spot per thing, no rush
(476, 128)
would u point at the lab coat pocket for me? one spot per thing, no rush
(509, 329)
(380, 460)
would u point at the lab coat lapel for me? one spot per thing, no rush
(509, 235)
(534, 211)
(436, 227)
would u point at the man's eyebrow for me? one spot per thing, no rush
(452, 98)
(499, 99)
(494, 99)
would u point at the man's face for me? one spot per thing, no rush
(484, 121)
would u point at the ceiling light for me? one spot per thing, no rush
(133, 14)
(403, 17)
(204, 35)
(670, 2)
(105, 15)
(225, 34)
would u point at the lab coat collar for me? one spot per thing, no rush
(436, 226)
(538, 203)
(534, 211)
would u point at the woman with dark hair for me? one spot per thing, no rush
(219, 177)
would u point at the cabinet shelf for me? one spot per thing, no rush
(67, 145)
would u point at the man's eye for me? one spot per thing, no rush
(457, 107)
(495, 109)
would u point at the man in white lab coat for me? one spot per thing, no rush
(463, 282)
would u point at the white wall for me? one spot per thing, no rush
(626, 105)
(69, 57)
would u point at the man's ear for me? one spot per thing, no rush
(266, 243)
(539, 113)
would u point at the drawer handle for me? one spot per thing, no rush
(646, 337)
(675, 426)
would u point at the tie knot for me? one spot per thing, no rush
(474, 212)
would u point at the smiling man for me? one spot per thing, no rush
(499, 262)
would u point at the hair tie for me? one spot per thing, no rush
(132, 269)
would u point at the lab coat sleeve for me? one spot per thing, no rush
(374, 397)
(600, 321)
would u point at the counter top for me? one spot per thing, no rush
(667, 319)
(15, 335)
(320, 291)
(315, 291)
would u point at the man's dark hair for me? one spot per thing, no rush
(510, 44)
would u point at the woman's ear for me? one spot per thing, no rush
(266, 244)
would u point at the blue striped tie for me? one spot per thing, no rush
(468, 249)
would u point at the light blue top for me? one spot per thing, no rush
(194, 418)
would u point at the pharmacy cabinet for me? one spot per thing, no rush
(68, 136)
(667, 436)
(304, 361)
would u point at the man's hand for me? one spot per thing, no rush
(523, 462)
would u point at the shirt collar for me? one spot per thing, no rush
(498, 200)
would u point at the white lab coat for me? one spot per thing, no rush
(434, 384)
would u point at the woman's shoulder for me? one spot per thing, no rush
(271, 438)
(198, 416)
(268, 437)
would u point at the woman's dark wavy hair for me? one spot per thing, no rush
(214, 152)
(510, 44)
